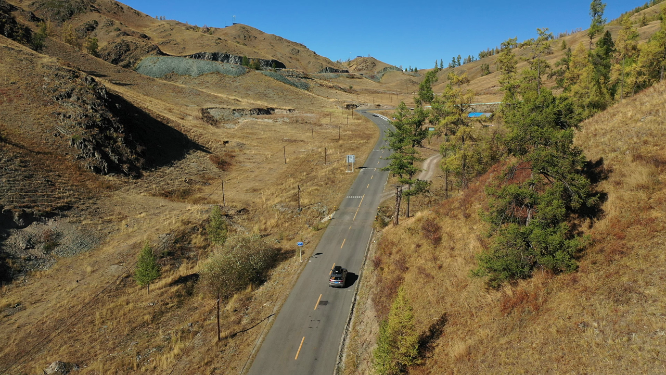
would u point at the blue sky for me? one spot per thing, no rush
(407, 33)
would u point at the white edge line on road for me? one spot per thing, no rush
(343, 341)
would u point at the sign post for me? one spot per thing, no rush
(351, 159)
(300, 252)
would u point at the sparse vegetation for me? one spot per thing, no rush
(147, 269)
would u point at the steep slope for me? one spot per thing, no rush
(606, 317)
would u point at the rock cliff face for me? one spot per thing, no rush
(233, 59)
(128, 52)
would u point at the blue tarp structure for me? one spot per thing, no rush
(479, 114)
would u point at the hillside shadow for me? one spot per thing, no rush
(158, 143)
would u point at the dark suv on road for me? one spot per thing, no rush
(338, 277)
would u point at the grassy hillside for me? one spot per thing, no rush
(605, 317)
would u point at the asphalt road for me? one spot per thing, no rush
(306, 335)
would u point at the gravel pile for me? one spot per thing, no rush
(159, 66)
(283, 79)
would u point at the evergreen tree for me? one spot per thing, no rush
(538, 65)
(217, 227)
(441, 64)
(623, 71)
(456, 149)
(598, 20)
(652, 60)
(507, 66)
(91, 46)
(245, 61)
(398, 341)
(425, 94)
(409, 134)
(530, 212)
(147, 268)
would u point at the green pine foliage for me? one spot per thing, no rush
(532, 206)
(398, 341)
(147, 268)
(217, 227)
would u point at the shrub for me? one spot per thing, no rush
(243, 261)
(217, 227)
(431, 231)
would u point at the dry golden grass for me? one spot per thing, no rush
(88, 310)
(604, 318)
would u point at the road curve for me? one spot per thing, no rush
(306, 335)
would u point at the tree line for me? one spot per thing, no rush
(544, 184)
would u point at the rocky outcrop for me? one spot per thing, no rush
(9, 27)
(233, 59)
(128, 52)
(110, 134)
(328, 69)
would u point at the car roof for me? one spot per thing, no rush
(337, 269)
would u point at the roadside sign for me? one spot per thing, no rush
(431, 129)
(300, 250)
(300, 244)
(351, 158)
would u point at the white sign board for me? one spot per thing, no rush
(351, 158)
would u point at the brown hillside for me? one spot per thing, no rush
(127, 31)
(604, 318)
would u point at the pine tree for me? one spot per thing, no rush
(217, 227)
(456, 148)
(530, 216)
(507, 66)
(147, 268)
(652, 60)
(598, 20)
(623, 71)
(409, 134)
(398, 341)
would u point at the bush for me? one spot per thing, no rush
(217, 227)
(244, 261)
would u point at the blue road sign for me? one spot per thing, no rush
(300, 244)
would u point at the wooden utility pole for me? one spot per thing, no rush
(339, 127)
(398, 198)
(299, 198)
(324, 155)
(285, 154)
(223, 204)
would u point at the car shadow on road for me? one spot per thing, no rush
(351, 279)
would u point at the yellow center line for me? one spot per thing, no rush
(329, 274)
(317, 304)
(343, 241)
(299, 348)
(372, 176)
(367, 186)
